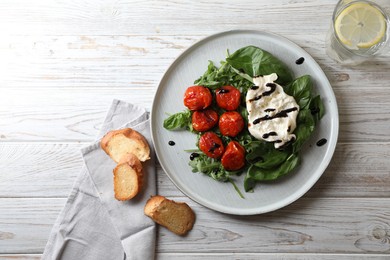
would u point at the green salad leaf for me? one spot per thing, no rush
(305, 126)
(256, 174)
(257, 62)
(317, 108)
(211, 167)
(178, 121)
(300, 89)
(311, 109)
(214, 77)
(264, 155)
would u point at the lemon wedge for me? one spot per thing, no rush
(360, 25)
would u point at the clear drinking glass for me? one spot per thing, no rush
(354, 54)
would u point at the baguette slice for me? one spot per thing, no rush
(128, 177)
(178, 217)
(118, 143)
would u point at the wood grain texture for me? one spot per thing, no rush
(264, 256)
(316, 225)
(20, 256)
(153, 17)
(25, 224)
(273, 256)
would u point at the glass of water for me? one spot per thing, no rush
(359, 31)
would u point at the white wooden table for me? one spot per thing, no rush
(62, 63)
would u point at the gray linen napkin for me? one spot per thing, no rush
(93, 224)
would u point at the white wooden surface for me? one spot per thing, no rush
(62, 63)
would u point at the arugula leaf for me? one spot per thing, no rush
(210, 167)
(214, 169)
(254, 61)
(214, 78)
(178, 120)
(255, 174)
(208, 79)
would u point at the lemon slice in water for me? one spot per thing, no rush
(360, 25)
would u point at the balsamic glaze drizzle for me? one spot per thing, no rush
(300, 61)
(282, 113)
(321, 142)
(193, 156)
(222, 91)
(215, 146)
(255, 98)
(266, 135)
(272, 87)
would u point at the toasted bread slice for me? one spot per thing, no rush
(178, 217)
(128, 177)
(118, 143)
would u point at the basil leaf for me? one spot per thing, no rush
(300, 89)
(178, 120)
(264, 155)
(254, 61)
(256, 174)
(305, 126)
(317, 108)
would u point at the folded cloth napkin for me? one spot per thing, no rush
(93, 224)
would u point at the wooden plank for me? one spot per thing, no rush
(194, 256)
(88, 61)
(316, 225)
(50, 169)
(270, 256)
(38, 169)
(25, 224)
(21, 256)
(122, 18)
(72, 115)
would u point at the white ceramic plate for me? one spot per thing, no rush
(189, 66)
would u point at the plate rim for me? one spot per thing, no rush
(308, 184)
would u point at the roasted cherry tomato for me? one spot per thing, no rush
(234, 156)
(204, 120)
(197, 98)
(228, 97)
(231, 123)
(211, 145)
